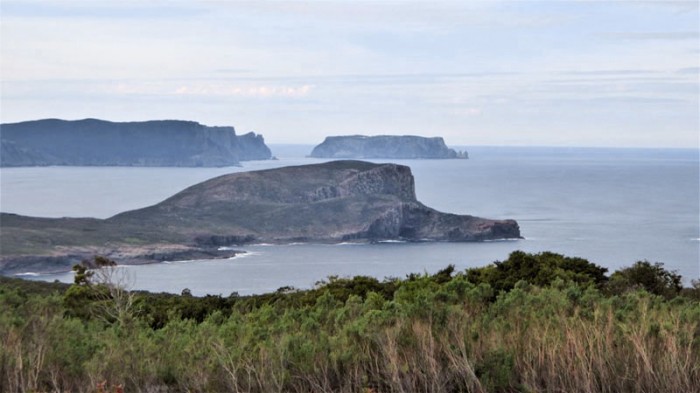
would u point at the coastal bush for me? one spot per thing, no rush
(445, 332)
(538, 269)
(692, 292)
(653, 278)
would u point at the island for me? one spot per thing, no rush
(93, 142)
(384, 146)
(337, 201)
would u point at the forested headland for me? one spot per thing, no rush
(533, 322)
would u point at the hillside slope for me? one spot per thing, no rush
(329, 202)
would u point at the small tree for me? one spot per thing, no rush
(651, 277)
(81, 274)
(100, 290)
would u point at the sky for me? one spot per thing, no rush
(519, 73)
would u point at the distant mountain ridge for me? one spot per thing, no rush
(384, 146)
(93, 142)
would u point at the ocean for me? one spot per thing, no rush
(610, 206)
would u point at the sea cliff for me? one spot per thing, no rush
(384, 146)
(93, 142)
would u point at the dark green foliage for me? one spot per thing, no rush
(343, 288)
(35, 287)
(651, 277)
(538, 269)
(497, 371)
(444, 275)
(693, 292)
(160, 308)
(78, 301)
(81, 274)
(438, 333)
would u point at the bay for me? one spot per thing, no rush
(611, 206)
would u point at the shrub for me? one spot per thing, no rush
(644, 275)
(537, 269)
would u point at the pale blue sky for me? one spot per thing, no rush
(558, 73)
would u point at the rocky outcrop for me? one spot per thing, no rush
(384, 146)
(251, 146)
(122, 255)
(331, 202)
(92, 142)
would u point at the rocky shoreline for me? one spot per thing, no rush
(135, 256)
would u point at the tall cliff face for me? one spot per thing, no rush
(384, 146)
(92, 142)
(252, 147)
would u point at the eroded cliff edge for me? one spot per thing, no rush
(330, 202)
(92, 142)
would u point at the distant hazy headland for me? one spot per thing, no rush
(93, 142)
(331, 202)
(384, 146)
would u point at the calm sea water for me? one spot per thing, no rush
(611, 206)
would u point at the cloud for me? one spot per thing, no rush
(637, 100)
(469, 111)
(318, 66)
(102, 10)
(653, 36)
(246, 91)
(689, 70)
(608, 72)
(679, 6)
(212, 89)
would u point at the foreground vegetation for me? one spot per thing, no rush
(540, 322)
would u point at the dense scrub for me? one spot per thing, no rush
(540, 322)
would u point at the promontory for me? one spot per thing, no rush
(384, 146)
(92, 142)
(330, 202)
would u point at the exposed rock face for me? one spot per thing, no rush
(92, 142)
(384, 146)
(330, 202)
(252, 147)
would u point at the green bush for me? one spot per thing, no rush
(644, 275)
(492, 329)
(538, 269)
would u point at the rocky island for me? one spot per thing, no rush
(331, 202)
(93, 142)
(384, 146)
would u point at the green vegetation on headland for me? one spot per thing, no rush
(534, 322)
